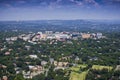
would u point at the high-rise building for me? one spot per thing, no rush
(99, 35)
(48, 32)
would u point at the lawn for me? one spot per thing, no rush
(76, 75)
(77, 68)
(98, 67)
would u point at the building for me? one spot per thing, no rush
(51, 60)
(33, 56)
(85, 36)
(48, 32)
(50, 36)
(5, 78)
(7, 53)
(62, 36)
(60, 64)
(3, 66)
(39, 35)
(44, 36)
(43, 63)
(93, 35)
(99, 35)
(77, 58)
(13, 38)
(34, 70)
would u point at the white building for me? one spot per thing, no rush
(62, 36)
(13, 38)
(50, 37)
(99, 35)
(43, 63)
(48, 32)
(33, 56)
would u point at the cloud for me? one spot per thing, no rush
(92, 2)
(43, 4)
(7, 5)
(72, 0)
(21, 1)
(54, 4)
(59, 3)
(116, 0)
(79, 3)
(86, 3)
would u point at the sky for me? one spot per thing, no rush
(59, 9)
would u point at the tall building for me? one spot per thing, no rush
(48, 32)
(85, 36)
(99, 35)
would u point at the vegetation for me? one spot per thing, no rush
(77, 72)
(100, 55)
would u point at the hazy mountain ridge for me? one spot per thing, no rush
(61, 25)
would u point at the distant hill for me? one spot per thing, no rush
(61, 25)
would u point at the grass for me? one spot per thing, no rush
(98, 67)
(76, 75)
(77, 68)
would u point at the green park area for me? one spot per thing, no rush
(99, 67)
(78, 74)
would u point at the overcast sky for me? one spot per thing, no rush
(59, 9)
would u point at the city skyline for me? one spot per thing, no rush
(59, 9)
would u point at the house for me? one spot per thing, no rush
(77, 58)
(65, 58)
(34, 70)
(3, 66)
(14, 38)
(51, 60)
(8, 39)
(118, 67)
(10, 49)
(4, 78)
(7, 53)
(27, 75)
(17, 70)
(43, 63)
(33, 56)
(55, 63)
(93, 58)
(60, 64)
(27, 47)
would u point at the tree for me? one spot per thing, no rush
(19, 77)
(39, 77)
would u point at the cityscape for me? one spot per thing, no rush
(54, 38)
(40, 53)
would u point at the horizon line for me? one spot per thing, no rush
(61, 20)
